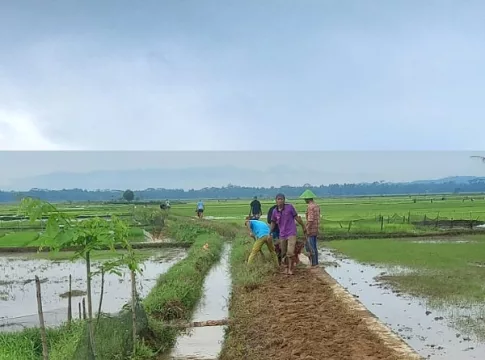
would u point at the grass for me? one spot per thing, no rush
(20, 239)
(177, 292)
(34, 239)
(27, 345)
(444, 272)
(341, 216)
(244, 279)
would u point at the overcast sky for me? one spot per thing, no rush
(241, 75)
(218, 75)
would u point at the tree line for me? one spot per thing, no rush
(235, 192)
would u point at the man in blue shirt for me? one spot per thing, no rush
(200, 209)
(259, 231)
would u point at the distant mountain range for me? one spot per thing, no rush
(170, 184)
(450, 179)
(195, 178)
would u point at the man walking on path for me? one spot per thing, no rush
(312, 224)
(200, 209)
(255, 208)
(285, 215)
(260, 232)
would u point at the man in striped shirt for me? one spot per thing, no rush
(312, 225)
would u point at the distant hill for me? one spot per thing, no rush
(72, 188)
(453, 179)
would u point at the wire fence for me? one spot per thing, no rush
(403, 223)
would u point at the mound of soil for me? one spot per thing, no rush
(299, 317)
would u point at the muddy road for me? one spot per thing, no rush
(307, 316)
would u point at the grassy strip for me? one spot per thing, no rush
(27, 345)
(244, 279)
(178, 291)
(18, 239)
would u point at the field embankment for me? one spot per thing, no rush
(273, 316)
(177, 292)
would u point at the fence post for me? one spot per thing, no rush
(437, 220)
(69, 303)
(350, 225)
(84, 309)
(382, 223)
(133, 309)
(409, 217)
(425, 220)
(80, 316)
(45, 354)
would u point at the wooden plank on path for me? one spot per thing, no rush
(196, 324)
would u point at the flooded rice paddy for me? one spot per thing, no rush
(206, 342)
(18, 305)
(433, 333)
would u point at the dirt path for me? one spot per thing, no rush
(306, 317)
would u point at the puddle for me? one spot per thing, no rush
(151, 239)
(223, 217)
(426, 330)
(18, 304)
(206, 342)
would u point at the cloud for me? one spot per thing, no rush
(167, 76)
(148, 98)
(19, 131)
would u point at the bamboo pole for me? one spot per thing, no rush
(133, 308)
(43, 334)
(197, 324)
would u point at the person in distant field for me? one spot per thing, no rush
(200, 209)
(259, 231)
(275, 234)
(312, 225)
(255, 208)
(167, 204)
(285, 215)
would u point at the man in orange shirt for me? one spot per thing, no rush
(312, 225)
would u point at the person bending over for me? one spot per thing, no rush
(259, 231)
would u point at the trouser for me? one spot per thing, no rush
(311, 248)
(276, 242)
(258, 244)
(288, 248)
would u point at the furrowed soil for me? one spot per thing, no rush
(300, 317)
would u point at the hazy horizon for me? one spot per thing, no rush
(205, 169)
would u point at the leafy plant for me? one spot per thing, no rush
(63, 231)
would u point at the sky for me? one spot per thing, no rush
(186, 75)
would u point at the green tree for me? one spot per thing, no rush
(63, 231)
(128, 195)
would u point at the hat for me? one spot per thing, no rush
(308, 194)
